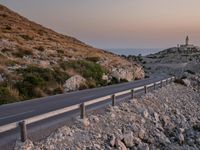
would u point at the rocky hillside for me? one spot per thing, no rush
(176, 61)
(36, 61)
(165, 119)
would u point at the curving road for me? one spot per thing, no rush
(21, 110)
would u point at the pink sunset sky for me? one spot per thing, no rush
(117, 23)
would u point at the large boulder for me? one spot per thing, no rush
(128, 73)
(74, 83)
(121, 73)
(4, 43)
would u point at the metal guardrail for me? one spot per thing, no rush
(22, 124)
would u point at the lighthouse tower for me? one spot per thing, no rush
(187, 45)
(187, 41)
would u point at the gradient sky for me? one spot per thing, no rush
(117, 23)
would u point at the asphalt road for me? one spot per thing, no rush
(37, 131)
(18, 111)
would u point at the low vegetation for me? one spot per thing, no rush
(8, 94)
(90, 70)
(38, 82)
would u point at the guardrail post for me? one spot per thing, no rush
(132, 93)
(166, 81)
(113, 100)
(23, 131)
(82, 107)
(161, 83)
(145, 89)
(154, 86)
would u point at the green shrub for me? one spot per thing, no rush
(8, 94)
(38, 78)
(88, 69)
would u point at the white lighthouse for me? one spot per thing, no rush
(187, 41)
(187, 45)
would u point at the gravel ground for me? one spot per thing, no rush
(168, 118)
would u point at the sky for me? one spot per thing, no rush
(117, 23)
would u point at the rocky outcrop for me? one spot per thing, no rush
(164, 119)
(74, 83)
(174, 61)
(128, 74)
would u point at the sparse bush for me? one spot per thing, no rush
(179, 81)
(8, 28)
(60, 51)
(36, 79)
(8, 94)
(26, 37)
(41, 32)
(22, 52)
(196, 127)
(3, 15)
(87, 69)
(5, 50)
(191, 72)
(116, 81)
(40, 48)
(93, 59)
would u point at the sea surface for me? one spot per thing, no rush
(135, 51)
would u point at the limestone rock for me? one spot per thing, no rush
(121, 73)
(120, 145)
(112, 141)
(74, 83)
(143, 146)
(181, 138)
(28, 145)
(129, 139)
(141, 134)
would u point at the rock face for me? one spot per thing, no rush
(120, 73)
(74, 83)
(172, 123)
(128, 74)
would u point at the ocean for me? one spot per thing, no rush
(135, 51)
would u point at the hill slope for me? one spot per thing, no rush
(36, 61)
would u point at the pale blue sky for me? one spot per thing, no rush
(117, 23)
